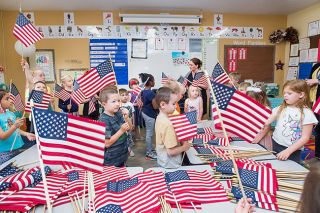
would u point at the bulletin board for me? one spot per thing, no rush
(257, 62)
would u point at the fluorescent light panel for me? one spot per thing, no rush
(160, 18)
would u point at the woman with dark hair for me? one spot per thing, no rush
(195, 70)
(313, 82)
(149, 113)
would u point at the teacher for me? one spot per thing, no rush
(313, 82)
(195, 69)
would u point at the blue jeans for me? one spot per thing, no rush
(149, 131)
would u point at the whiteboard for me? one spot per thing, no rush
(159, 61)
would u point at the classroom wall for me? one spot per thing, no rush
(300, 20)
(74, 53)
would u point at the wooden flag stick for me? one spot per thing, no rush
(84, 190)
(45, 185)
(75, 204)
(178, 205)
(15, 137)
(195, 209)
(78, 200)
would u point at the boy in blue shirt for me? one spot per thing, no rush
(117, 124)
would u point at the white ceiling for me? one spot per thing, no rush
(221, 6)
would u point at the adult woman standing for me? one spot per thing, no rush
(195, 70)
(313, 82)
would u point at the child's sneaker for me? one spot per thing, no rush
(151, 156)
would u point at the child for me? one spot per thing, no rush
(68, 106)
(243, 87)
(9, 126)
(235, 78)
(294, 122)
(149, 113)
(167, 147)
(117, 123)
(124, 96)
(194, 102)
(260, 96)
(177, 89)
(137, 122)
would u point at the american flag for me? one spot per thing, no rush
(33, 177)
(139, 88)
(25, 32)
(15, 97)
(10, 179)
(67, 138)
(189, 180)
(236, 139)
(142, 197)
(40, 99)
(182, 80)
(316, 107)
(263, 179)
(254, 195)
(185, 125)
(97, 78)
(92, 105)
(218, 141)
(164, 78)
(205, 137)
(61, 93)
(242, 116)
(200, 78)
(208, 149)
(77, 95)
(269, 206)
(219, 75)
(197, 141)
(205, 130)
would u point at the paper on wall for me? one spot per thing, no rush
(304, 56)
(294, 61)
(292, 73)
(313, 55)
(294, 50)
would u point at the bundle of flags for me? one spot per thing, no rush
(242, 116)
(93, 81)
(39, 100)
(25, 32)
(61, 93)
(183, 80)
(185, 125)
(16, 98)
(65, 138)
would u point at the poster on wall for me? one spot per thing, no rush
(294, 49)
(232, 54)
(68, 18)
(232, 64)
(159, 44)
(43, 59)
(218, 20)
(172, 43)
(116, 49)
(182, 44)
(313, 28)
(242, 53)
(293, 61)
(292, 73)
(139, 48)
(304, 56)
(107, 18)
(180, 58)
(313, 55)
